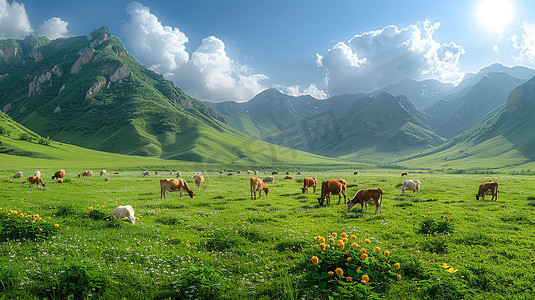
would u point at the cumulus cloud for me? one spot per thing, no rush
(374, 59)
(312, 90)
(208, 73)
(54, 28)
(14, 22)
(524, 45)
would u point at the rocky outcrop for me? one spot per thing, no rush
(61, 89)
(98, 36)
(57, 71)
(57, 109)
(37, 56)
(96, 88)
(39, 82)
(7, 107)
(119, 74)
(86, 57)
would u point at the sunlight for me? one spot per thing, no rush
(495, 15)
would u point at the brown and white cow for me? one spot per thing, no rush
(174, 185)
(488, 188)
(36, 180)
(367, 196)
(59, 174)
(332, 187)
(309, 182)
(288, 177)
(86, 173)
(257, 185)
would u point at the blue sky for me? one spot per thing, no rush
(231, 50)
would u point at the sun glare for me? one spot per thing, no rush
(495, 15)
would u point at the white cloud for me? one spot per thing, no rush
(524, 45)
(312, 90)
(375, 59)
(54, 28)
(14, 22)
(209, 74)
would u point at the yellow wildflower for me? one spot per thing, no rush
(387, 253)
(56, 225)
(90, 207)
(328, 247)
(367, 241)
(339, 272)
(365, 278)
(323, 246)
(344, 235)
(354, 246)
(353, 237)
(345, 240)
(364, 256)
(452, 270)
(349, 259)
(362, 250)
(340, 242)
(331, 273)
(377, 249)
(347, 252)
(315, 260)
(331, 240)
(341, 247)
(397, 266)
(349, 279)
(321, 239)
(399, 277)
(445, 266)
(334, 234)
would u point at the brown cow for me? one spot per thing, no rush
(488, 188)
(332, 187)
(86, 173)
(309, 182)
(174, 185)
(367, 196)
(36, 180)
(404, 174)
(288, 177)
(59, 174)
(257, 185)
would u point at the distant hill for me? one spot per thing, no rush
(422, 94)
(502, 140)
(88, 91)
(487, 96)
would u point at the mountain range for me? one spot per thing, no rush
(88, 91)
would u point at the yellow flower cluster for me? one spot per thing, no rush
(450, 269)
(365, 279)
(315, 260)
(339, 272)
(19, 213)
(364, 256)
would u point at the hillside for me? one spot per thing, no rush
(88, 91)
(502, 140)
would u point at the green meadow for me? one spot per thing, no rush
(223, 245)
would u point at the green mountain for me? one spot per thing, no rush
(88, 91)
(502, 140)
(485, 97)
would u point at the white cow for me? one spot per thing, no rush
(411, 185)
(125, 212)
(18, 175)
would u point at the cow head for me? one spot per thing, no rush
(350, 205)
(266, 190)
(191, 194)
(477, 196)
(321, 200)
(303, 189)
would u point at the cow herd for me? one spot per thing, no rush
(373, 196)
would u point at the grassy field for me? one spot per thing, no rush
(222, 244)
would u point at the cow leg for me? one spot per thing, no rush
(314, 190)
(339, 198)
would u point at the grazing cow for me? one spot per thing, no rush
(287, 173)
(257, 185)
(103, 172)
(156, 172)
(116, 173)
(199, 179)
(265, 172)
(178, 174)
(126, 213)
(59, 180)
(249, 172)
(411, 185)
(298, 173)
(36, 180)
(355, 173)
(256, 172)
(367, 196)
(309, 182)
(404, 174)
(288, 177)
(18, 175)
(86, 173)
(269, 179)
(488, 188)
(37, 173)
(275, 173)
(145, 173)
(238, 172)
(332, 187)
(230, 174)
(174, 185)
(59, 174)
